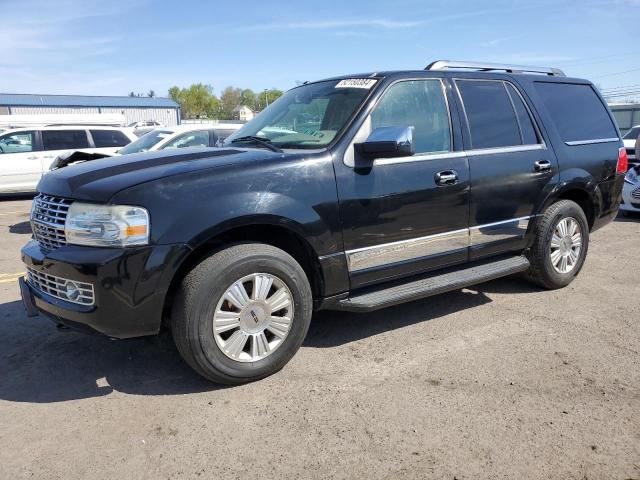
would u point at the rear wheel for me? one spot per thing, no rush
(560, 247)
(242, 313)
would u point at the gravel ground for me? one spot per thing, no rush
(502, 380)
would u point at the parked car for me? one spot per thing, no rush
(631, 191)
(26, 153)
(629, 140)
(145, 126)
(411, 184)
(182, 136)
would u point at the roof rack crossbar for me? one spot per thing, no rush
(491, 67)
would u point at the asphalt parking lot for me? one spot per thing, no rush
(500, 381)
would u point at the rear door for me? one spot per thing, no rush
(55, 142)
(511, 168)
(108, 141)
(399, 218)
(20, 163)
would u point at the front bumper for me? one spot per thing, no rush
(130, 285)
(629, 203)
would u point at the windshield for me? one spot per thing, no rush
(632, 134)
(145, 142)
(310, 116)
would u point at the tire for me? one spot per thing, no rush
(542, 270)
(203, 298)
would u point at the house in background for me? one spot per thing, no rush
(627, 115)
(242, 113)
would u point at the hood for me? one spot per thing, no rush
(99, 180)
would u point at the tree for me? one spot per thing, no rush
(248, 98)
(230, 99)
(151, 94)
(197, 101)
(267, 97)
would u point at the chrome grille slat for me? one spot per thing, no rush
(56, 287)
(48, 216)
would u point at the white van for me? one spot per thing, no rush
(27, 153)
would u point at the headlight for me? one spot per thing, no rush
(631, 177)
(106, 225)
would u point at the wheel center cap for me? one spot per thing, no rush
(254, 317)
(565, 245)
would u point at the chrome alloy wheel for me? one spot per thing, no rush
(253, 317)
(566, 244)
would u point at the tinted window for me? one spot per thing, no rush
(491, 118)
(576, 111)
(17, 142)
(527, 129)
(109, 138)
(64, 139)
(420, 104)
(191, 139)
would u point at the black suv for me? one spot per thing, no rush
(354, 193)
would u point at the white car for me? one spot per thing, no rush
(182, 136)
(27, 153)
(145, 126)
(631, 191)
(629, 140)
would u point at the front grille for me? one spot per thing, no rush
(48, 215)
(636, 193)
(62, 288)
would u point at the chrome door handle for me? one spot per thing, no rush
(542, 166)
(446, 177)
(33, 157)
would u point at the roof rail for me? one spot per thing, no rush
(490, 67)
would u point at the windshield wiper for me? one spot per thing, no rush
(259, 141)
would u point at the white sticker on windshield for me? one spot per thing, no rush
(164, 135)
(366, 83)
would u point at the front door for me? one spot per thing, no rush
(512, 170)
(20, 162)
(403, 216)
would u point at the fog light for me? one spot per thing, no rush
(71, 290)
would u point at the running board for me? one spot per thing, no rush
(433, 285)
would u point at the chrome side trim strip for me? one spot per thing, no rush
(591, 142)
(421, 247)
(459, 154)
(494, 232)
(403, 250)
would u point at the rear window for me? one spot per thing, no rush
(109, 138)
(577, 112)
(64, 139)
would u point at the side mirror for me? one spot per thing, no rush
(387, 142)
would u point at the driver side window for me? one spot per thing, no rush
(17, 142)
(420, 104)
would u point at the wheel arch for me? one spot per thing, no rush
(271, 230)
(586, 194)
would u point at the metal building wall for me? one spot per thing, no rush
(51, 110)
(168, 116)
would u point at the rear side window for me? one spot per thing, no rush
(576, 111)
(527, 130)
(109, 138)
(64, 139)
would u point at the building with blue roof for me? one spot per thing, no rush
(134, 109)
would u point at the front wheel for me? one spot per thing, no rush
(242, 313)
(560, 246)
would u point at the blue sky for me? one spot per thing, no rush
(113, 47)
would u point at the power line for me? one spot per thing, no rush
(616, 73)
